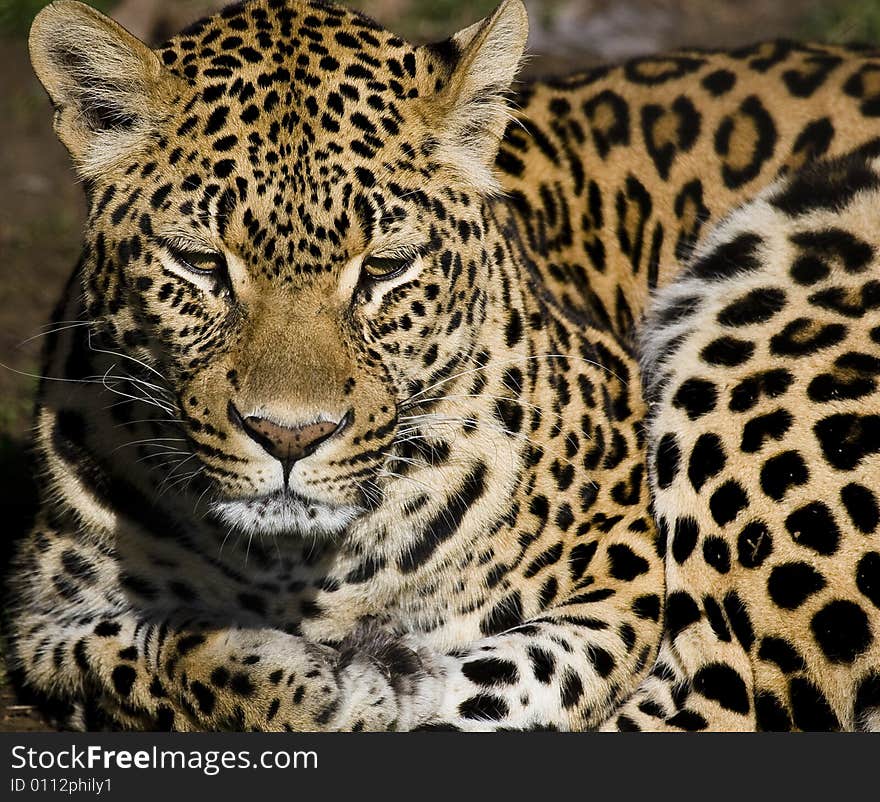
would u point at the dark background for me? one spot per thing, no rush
(41, 205)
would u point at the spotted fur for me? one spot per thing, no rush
(762, 360)
(334, 434)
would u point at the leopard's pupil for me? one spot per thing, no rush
(384, 267)
(197, 261)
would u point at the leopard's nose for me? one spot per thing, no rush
(288, 443)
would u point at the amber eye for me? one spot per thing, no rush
(383, 268)
(202, 263)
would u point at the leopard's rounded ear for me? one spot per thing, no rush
(108, 88)
(470, 114)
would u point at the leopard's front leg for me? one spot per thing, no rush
(566, 668)
(194, 674)
(547, 674)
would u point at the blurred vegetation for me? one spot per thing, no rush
(16, 15)
(845, 21)
(431, 19)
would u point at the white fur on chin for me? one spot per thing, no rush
(284, 515)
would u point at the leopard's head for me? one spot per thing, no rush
(288, 223)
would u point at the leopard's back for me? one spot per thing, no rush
(617, 173)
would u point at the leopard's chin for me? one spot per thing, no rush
(284, 513)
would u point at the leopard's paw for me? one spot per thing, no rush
(373, 657)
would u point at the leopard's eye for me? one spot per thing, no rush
(202, 263)
(383, 268)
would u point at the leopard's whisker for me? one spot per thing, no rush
(142, 399)
(70, 324)
(476, 396)
(124, 356)
(149, 441)
(497, 365)
(444, 512)
(474, 423)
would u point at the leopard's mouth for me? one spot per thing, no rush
(284, 512)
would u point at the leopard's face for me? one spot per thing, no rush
(287, 250)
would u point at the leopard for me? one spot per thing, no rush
(356, 410)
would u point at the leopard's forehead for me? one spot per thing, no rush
(310, 47)
(297, 108)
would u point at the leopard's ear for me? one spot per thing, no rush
(470, 113)
(108, 88)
